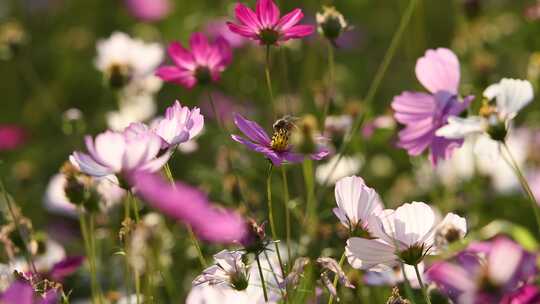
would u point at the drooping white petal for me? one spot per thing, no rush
(365, 254)
(458, 127)
(511, 95)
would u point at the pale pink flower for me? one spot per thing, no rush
(149, 10)
(179, 125)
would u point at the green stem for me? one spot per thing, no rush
(214, 109)
(134, 205)
(137, 286)
(331, 82)
(271, 216)
(374, 87)
(287, 211)
(269, 81)
(424, 290)
(341, 261)
(27, 252)
(265, 293)
(87, 231)
(311, 214)
(200, 255)
(523, 181)
(408, 289)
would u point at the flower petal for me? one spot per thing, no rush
(181, 57)
(252, 130)
(439, 70)
(365, 254)
(267, 12)
(248, 17)
(289, 20)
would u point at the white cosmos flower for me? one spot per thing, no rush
(204, 292)
(402, 235)
(135, 108)
(229, 269)
(330, 173)
(356, 203)
(509, 96)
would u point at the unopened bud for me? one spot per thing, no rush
(331, 23)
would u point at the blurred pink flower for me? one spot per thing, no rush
(380, 122)
(65, 268)
(424, 113)
(11, 137)
(218, 28)
(497, 271)
(149, 10)
(265, 25)
(21, 292)
(179, 125)
(137, 148)
(260, 142)
(189, 205)
(202, 65)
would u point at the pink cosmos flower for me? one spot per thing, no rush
(149, 10)
(21, 292)
(260, 142)
(189, 205)
(497, 271)
(218, 27)
(202, 65)
(11, 137)
(265, 25)
(179, 125)
(137, 148)
(424, 113)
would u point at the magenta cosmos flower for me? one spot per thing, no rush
(424, 113)
(499, 271)
(22, 292)
(189, 205)
(277, 149)
(11, 137)
(265, 25)
(137, 148)
(202, 65)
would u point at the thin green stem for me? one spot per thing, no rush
(271, 215)
(341, 261)
(15, 218)
(287, 211)
(408, 289)
(214, 109)
(263, 283)
(87, 230)
(137, 286)
(331, 82)
(269, 81)
(311, 212)
(424, 290)
(134, 205)
(374, 87)
(192, 236)
(523, 181)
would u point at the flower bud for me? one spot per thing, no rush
(12, 38)
(331, 23)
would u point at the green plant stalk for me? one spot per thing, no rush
(265, 293)
(27, 253)
(86, 232)
(374, 87)
(331, 83)
(311, 212)
(269, 81)
(271, 216)
(424, 290)
(287, 211)
(194, 240)
(523, 181)
(341, 261)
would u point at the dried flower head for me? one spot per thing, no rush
(331, 23)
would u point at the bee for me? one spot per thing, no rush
(282, 132)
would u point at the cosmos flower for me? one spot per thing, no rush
(149, 10)
(187, 204)
(126, 61)
(229, 270)
(179, 125)
(202, 65)
(277, 150)
(331, 23)
(497, 271)
(330, 173)
(136, 148)
(356, 204)
(218, 27)
(22, 292)
(402, 235)
(265, 25)
(11, 137)
(502, 103)
(424, 113)
(225, 293)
